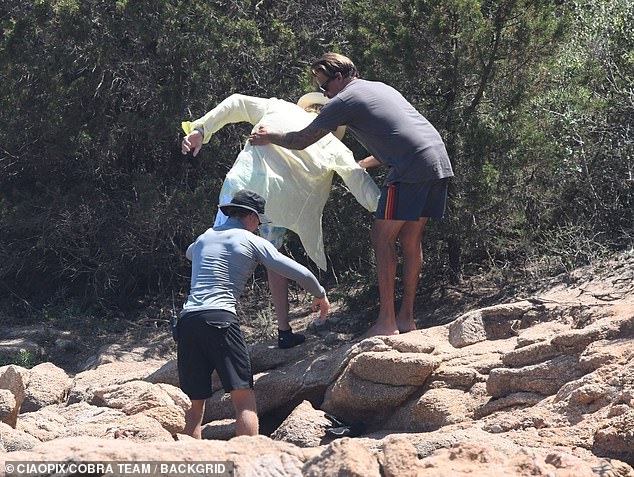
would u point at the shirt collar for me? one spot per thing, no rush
(231, 223)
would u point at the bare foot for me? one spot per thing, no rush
(376, 330)
(406, 325)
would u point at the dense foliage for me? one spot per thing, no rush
(534, 98)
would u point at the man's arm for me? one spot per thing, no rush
(292, 140)
(273, 260)
(234, 109)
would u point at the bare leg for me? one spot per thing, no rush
(384, 233)
(410, 240)
(278, 285)
(194, 418)
(246, 412)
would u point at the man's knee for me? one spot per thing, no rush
(411, 234)
(246, 412)
(410, 243)
(197, 407)
(383, 237)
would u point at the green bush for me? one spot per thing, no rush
(97, 205)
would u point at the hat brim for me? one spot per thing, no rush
(318, 98)
(262, 217)
(312, 98)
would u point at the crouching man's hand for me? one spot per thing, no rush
(323, 304)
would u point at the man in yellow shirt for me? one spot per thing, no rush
(295, 183)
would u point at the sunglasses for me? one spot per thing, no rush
(324, 86)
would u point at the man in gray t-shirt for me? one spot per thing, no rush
(209, 337)
(396, 136)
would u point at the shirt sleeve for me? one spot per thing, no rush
(356, 178)
(236, 108)
(332, 115)
(268, 256)
(188, 253)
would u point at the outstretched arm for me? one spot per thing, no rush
(234, 109)
(273, 260)
(293, 140)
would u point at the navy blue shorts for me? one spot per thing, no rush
(212, 340)
(411, 201)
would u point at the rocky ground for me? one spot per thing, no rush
(534, 380)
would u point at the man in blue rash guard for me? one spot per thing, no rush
(209, 336)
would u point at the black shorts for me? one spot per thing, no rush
(411, 201)
(212, 340)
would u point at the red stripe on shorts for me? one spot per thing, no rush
(391, 201)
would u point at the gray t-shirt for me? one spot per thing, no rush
(223, 259)
(389, 127)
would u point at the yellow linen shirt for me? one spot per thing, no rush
(295, 183)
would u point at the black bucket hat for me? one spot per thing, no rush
(247, 199)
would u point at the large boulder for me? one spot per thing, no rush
(343, 457)
(437, 408)
(12, 440)
(117, 372)
(47, 385)
(220, 430)
(530, 354)
(13, 379)
(57, 421)
(616, 437)
(393, 367)
(8, 408)
(46, 424)
(162, 402)
(544, 378)
(376, 381)
(167, 373)
(575, 341)
(494, 322)
(133, 397)
(170, 417)
(606, 352)
(82, 419)
(357, 400)
(456, 376)
(304, 427)
(400, 458)
(508, 403)
(417, 341)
